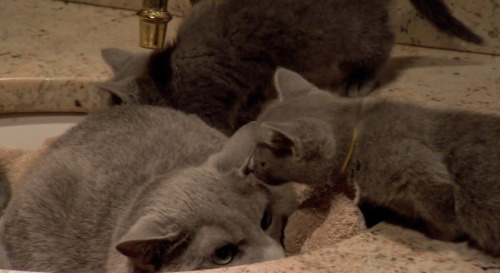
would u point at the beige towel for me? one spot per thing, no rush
(17, 162)
(324, 217)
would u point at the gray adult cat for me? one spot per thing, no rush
(441, 167)
(221, 68)
(143, 188)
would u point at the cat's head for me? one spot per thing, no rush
(210, 216)
(135, 79)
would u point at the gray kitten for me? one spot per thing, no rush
(441, 167)
(143, 188)
(221, 68)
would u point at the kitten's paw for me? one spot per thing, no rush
(360, 83)
(445, 232)
(170, 40)
(173, 31)
(360, 89)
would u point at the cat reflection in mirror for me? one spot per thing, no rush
(143, 188)
(222, 65)
(441, 167)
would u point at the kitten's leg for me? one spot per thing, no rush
(173, 31)
(434, 201)
(362, 77)
(411, 180)
(478, 210)
(364, 67)
(326, 77)
(346, 79)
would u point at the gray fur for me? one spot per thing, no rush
(4, 201)
(4, 261)
(221, 68)
(441, 167)
(4, 190)
(142, 188)
(131, 83)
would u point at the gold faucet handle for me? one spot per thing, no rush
(153, 19)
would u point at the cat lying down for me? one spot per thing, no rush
(324, 217)
(440, 168)
(143, 188)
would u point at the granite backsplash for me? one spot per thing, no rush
(411, 29)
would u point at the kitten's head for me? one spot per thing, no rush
(210, 216)
(294, 141)
(298, 150)
(135, 79)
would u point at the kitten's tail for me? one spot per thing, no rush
(440, 16)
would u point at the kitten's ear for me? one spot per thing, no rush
(116, 58)
(290, 84)
(237, 149)
(280, 138)
(124, 91)
(148, 243)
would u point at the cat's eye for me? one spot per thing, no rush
(224, 255)
(267, 219)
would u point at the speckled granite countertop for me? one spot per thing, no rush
(435, 77)
(50, 56)
(410, 28)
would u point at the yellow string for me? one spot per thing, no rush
(351, 149)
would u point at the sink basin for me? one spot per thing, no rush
(30, 131)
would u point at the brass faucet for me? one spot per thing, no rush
(153, 19)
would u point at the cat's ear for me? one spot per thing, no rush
(116, 58)
(124, 91)
(237, 149)
(290, 84)
(148, 243)
(280, 138)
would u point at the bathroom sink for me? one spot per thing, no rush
(49, 65)
(30, 131)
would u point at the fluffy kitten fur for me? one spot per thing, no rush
(143, 188)
(437, 166)
(4, 190)
(221, 68)
(4, 200)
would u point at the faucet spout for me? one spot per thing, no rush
(153, 19)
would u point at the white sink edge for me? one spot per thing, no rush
(29, 131)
